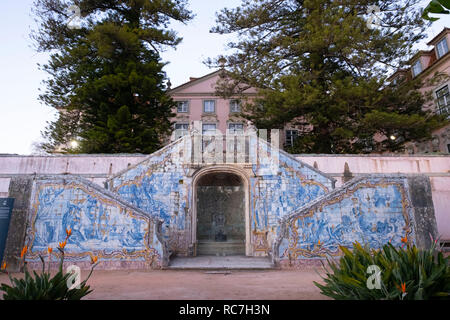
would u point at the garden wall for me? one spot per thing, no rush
(102, 225)
(373, 210)
(161, 185)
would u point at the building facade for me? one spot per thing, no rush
(197, 102)
(432, 68)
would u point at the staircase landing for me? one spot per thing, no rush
(220, 263)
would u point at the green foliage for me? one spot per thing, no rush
(425, 274)
(106, 77)
(436, 6)
(321, 68)
(42, 286)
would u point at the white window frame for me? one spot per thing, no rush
(204, 106)
(445, 109)
(440, 45)
(185, 104)
(235, 102)
(290, 142)
(209, 132)
(181, 132)
(234, 131)
(416, 64)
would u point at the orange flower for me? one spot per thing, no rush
(24, 250)
(68, 232)
(405, 239)
(318, 243)
(4, 266)
(50, 249)
(62, 244)
(94, 259)
(403, 287)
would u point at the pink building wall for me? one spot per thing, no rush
(199, 89)
(432, 65)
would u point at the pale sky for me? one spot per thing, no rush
(22, 117)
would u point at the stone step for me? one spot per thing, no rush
(221, 248)
(221, 263)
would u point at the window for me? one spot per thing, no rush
(208, 129)
(443, 101)
(441, 48)
(291, 135)
(397, 80)
(236, 128)
(182, 106)
(209, 106)
(417, 68)
(181, 129)
(235, 106)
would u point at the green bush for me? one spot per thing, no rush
(42, 286)
(406, 274)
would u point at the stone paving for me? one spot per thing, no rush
(221, 262)
(202, 285)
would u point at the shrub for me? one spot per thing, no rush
(407, 273)
(42, 286)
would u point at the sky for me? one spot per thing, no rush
(23, 117)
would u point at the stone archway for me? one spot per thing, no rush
(221, 221)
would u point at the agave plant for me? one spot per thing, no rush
(406, 273)
(42, 286)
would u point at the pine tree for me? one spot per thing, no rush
(320, 65)
(106, 74)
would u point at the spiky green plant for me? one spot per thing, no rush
(407, 273)
(42, 286)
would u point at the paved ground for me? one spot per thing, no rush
(203, 285)
(220, 262)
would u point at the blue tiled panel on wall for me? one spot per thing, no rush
(100, 225)
(294, 185)
(373, 213)
(154, 186)
(158, 186)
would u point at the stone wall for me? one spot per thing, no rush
(20, 189)
(95, 168)
(373, 210)
(102, 225)
(436, 167)
(221, 213)
(161, 187)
